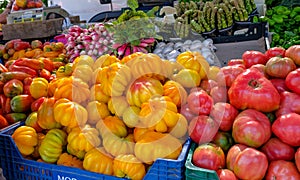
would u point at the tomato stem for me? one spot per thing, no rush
(253, 83)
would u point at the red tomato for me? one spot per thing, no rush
(293, 52)
(233, 62)
(224, 113)
(37, 103)
(297, 158)
(186, 112)
(44, 73)
(207, 84)
(13, 87)
(209, 156)
(289, 102)
(251, 128)
(287, 128)
(3, 122)
(281, 169)
(202, 129)
(219, 94)
(224, 140)
(252, 90)
(280, 67)
(275, 149)
(200, 102)
(292, 81)
(279, 84)
(250, 163)
(275, 51)
(227, 75)
(232, 154)
(261, 68)
(226, 174)
(254, 57)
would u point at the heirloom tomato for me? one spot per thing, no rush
(287, 128)
(202, 129)
(209, 156)
(187, 112)
(208, 84)
(26, 139)
(275, 149)
(275, 52)
(227, 75)
(279, 84)
(219, 94)
(251, 128)
(252, 89)
(280, 67)
(226, 174)
(293, 52)
(21, 103)
(224, 113)
(292, 81)
(247, 162)
(224, 140)
(289, 102)
(13, 87)
(37, 103)
(281, 169)
(254, 57)
(127, 165)
(297, 159)
(233, 62)
(200, 102)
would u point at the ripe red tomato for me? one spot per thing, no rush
(251, 128)
(226, 174)
(219, 94)
(279, 84)
(297, 158)
(200, 102)
(261, 68)
(280, 67)
(252, 89)
(233, 62)
(289, 102)
(186, 112)
(209, 156)
(227, 75)
(287, 128)
(232, 154)
(275, 149)
(292, 81)
(281, 169)
(293, 52)
(275, 51)
(13, 87)
(3, 122)
(207, 84)
(254, 57)
(202, 129)
(224, 114)
(250, 163)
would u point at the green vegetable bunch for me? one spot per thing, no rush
(284, 24)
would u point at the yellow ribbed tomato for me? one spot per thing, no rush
(129, 166)
(97, 94)
(73, 89)
(81, 140)
(181, 127)
(36, 153)
(96, 111)
(105, 60)
(113, 78)
(142, 89)
(39, 87)
(83, 59)
(99, 161)
(116, 145)
(138, 133)
(53, 145)
(69, 113)
(170, 68)
(159, 113)
(145, 65)
(83, 72)
(26, 139)
(128, 58)
(117, 105)
(153, 145)
(131, 116)
(112, 125)
(176, 92)
(45, 115)
(195, 61)
(188, 78)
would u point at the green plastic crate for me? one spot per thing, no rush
(193, 172)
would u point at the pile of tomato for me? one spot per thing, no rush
(246, 121)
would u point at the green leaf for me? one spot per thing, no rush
(133, 4)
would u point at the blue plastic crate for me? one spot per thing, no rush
(15, 167)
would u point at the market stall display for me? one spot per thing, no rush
(129, 98)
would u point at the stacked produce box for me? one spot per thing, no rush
(114, 100)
